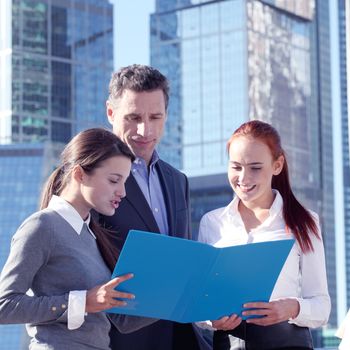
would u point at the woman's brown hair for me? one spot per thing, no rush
(87, 149)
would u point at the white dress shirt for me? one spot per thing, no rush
(77, 298)
(302, 277)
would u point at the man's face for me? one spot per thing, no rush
(138, 118)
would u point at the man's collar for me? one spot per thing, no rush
(141, 162)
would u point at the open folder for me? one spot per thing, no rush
(186, 281)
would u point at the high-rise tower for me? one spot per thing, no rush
(230, 61)
(56, 58)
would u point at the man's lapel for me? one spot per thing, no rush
(138, 201)
(167, 182)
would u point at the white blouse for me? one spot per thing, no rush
(303, 276)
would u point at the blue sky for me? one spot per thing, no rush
(131, 31)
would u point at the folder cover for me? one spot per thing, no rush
(186, 281)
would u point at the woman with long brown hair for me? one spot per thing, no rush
(62, 255)
(265, 209)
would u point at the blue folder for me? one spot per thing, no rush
(186, 281)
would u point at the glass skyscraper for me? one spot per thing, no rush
(230, 61)
(340, 30)
(344, 32)
(345, 88)
(56, 59)
(22, 173)
(55, 63)
(323, 93)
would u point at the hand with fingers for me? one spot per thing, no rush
(273, 312)
(227, 323)
(104, 296)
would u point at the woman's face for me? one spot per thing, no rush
(104, 188)
(250, 171)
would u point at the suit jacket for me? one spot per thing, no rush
(135, 213)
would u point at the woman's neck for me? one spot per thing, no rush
(253, 215)
(76, 201)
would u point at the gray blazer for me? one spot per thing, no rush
(48, 257)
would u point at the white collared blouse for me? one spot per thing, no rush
(303, 276)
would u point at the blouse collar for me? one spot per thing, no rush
(70, 214)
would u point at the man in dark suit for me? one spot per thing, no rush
(157, 195)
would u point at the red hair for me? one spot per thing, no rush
(297, 218)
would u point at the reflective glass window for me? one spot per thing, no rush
(61, 89)
(16, 22)
(59, 32)
(35, 97)
(168, 26)
(191, 91)
(192, 157)
(190, 22)
(35, 25)
(210, 62)
(232, 15)
(233, 81)
(61, 132)
(96, 33)
(34, 129)
(79, 29)
(212, 154)
(210, 18)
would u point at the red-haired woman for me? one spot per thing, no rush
(265, 209)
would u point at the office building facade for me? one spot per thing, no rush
(345, 64)
(344, 40)
(231, 61)
(323, 92)
(23, 169)
(56, 59)
(340, 28)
